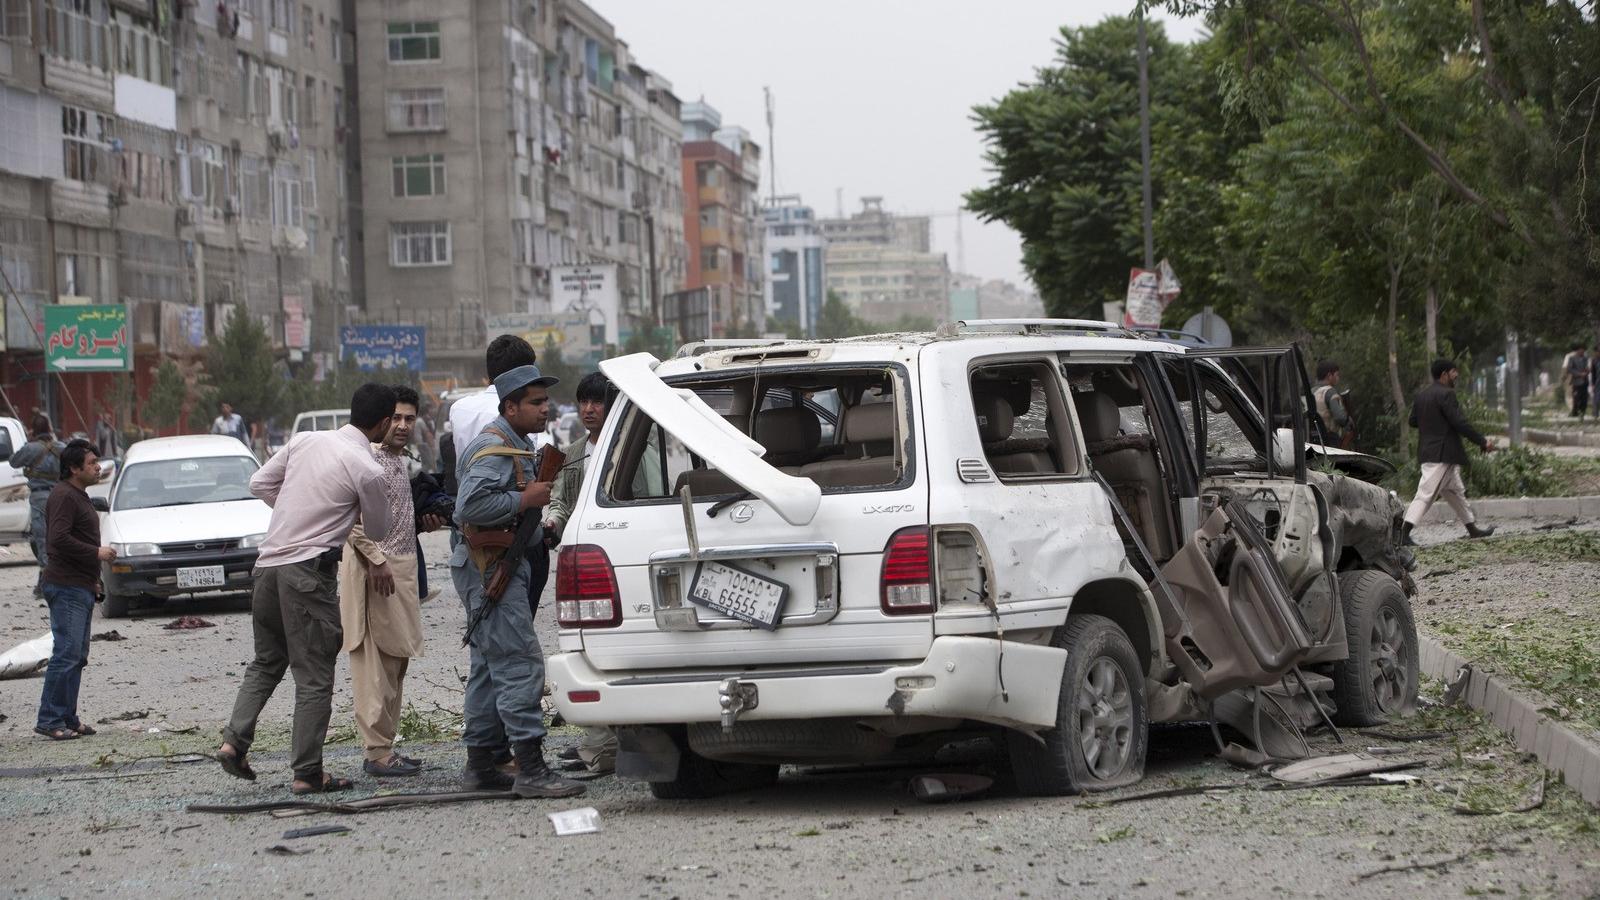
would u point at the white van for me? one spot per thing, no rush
(809, 552)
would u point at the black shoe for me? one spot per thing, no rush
(534, 778)
(400, 768)
(1405, 536)
(482, 774)
(1473, 531)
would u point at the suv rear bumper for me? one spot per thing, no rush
(960, 678)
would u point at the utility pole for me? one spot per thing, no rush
(772, 153)
(1144, 146)
(655, 284)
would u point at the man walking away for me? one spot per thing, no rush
(1575, 375)
(107, 440)
(380, 602)
(229, 423)
(316, 487)
(1437, 415)
(1330, 403)
(40, 461)
(70, 582)
(495, 473)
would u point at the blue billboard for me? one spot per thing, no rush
(376, 347)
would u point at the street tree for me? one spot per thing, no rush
(239, 370)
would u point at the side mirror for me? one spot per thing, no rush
(100, 504)
(1284, 452)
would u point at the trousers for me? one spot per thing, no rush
(36, 525)
(376, 681)
(71, 612)
(506, 674)
(295, 616)
(1440, 481)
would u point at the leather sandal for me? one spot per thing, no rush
(235, 764)
(328, 785)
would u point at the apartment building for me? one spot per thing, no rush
(796, 285)
(883, 267)
(503, 143)
(875, 225)
(724, 227)
(181, 158)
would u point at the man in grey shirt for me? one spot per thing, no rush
(316, 486)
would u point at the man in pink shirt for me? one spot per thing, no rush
(316, 486)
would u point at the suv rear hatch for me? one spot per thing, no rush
(768, 492)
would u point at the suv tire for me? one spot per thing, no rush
(1104, 677)
(1379, 678)
(115, 606)
(699, 777)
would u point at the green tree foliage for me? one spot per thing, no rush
(168, 393)
(239, 370)
(837, 320)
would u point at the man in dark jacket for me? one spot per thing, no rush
(1437, 415)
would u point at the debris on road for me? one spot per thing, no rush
(183, 623)
(281, 850)
(1343, 765)
(367, 804)
(27, 657)
(575, 821)
(314, 830)
(112, 635)
(944, 788)
(129, 716)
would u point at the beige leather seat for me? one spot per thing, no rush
(1129, 466)
(791, 434)
(868, 435)
(996, 418)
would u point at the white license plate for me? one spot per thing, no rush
(735, 592)
(202, 576)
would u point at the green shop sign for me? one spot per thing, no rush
(87, 339)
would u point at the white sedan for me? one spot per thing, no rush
(182, 520)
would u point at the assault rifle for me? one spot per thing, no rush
(530, 528)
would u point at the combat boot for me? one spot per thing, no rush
(1473, 531)
(1406, 540)
(534, 778)
(482, 774)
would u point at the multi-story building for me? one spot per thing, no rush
(185, 159)
(882, 266)
(723, 226)
(796, 285)
(502, 141)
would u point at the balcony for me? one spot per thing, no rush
(713, 194)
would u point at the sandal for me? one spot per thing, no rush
(56, 734)
(84, 730)
(234, 764)
(329, 785)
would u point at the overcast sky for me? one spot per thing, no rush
(872, 96)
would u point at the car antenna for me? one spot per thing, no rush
(688, 523)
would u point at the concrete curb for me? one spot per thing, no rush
(1521, 508)
(1561, 749)
(1561, 438)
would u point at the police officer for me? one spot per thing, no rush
(495, 473)
(40, 460)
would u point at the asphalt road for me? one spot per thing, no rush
(94, 817)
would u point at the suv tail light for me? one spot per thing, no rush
(586, 589)
(960, 566)
(905, 586)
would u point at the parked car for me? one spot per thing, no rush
(320, 420)
(14, 511)
(1053, 531)
(182, 520)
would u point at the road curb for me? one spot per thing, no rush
(1522, 508)
(1561, 438)
(1561, 749)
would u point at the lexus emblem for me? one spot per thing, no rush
(743, 513)
(199, 546)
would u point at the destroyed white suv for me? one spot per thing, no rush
(836, 551)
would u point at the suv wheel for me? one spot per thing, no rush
(1101, 730)
(699, 777)
(115, 606)
(1379, 679)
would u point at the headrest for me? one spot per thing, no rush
(994, 413)
(869, 422)
(739, 422)
(1099, 416)
(790, 429)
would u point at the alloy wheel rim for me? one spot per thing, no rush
(1387, 669)
(1105, 718)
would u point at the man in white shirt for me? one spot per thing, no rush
(229, 423)
(316, 486)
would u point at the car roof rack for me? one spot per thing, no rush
(712, 345)
(1033, 326)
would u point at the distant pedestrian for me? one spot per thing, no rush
(229, 423)
(316, 486)
(1575, 373)
(1436, 414)
(1594, 382)
(70, 583)
(40, 461)
(107, 439)
(379, 602)
(1331, 408)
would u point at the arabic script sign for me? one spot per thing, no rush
(87, 339)
(377, 347)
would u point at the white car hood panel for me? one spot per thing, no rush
(198, 522)
(699, 427)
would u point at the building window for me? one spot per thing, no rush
(306, 25)
(141, 52)
(413, 41)
(419, 109)
(288, 209)
(419, 244)
(418, 176)
(83, 145)
(708, 258)
(283, 15)
(77, 31)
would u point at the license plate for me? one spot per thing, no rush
(202, 576)
(735, 592)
